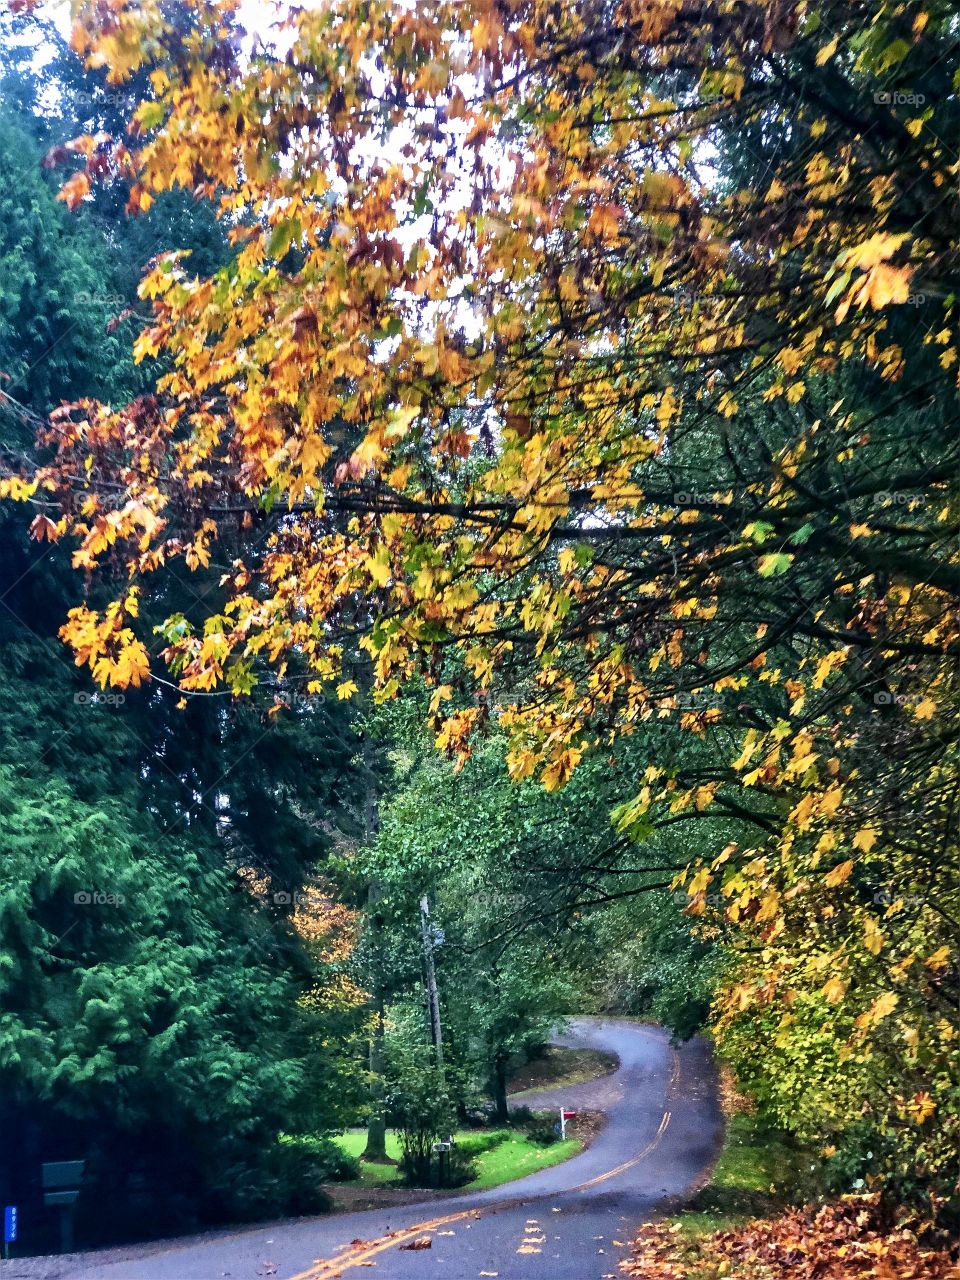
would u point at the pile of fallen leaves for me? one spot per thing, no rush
(842, 1240)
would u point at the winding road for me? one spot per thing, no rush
(571, 1222)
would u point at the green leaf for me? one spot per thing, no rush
(150, 114)
(282, 236)
(773, 565)
(759, 531)
(892, 54)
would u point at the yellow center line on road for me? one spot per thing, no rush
(329, 1268)
(635, 1160)
(357, 1256)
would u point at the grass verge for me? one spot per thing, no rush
(500, 1155)
(516, 1156)
(758, 1174)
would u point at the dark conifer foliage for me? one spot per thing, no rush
(153, 1015)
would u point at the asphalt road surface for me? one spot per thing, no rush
(571, 1222)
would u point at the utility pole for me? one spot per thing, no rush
(376, 1148)
(433, 997)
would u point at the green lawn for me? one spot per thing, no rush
(371, 1175)
(516, 1156)
(500, 1155)
(755, 1176)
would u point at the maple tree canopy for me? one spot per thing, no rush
(565, 358)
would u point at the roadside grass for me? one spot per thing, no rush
(371, 1175)
(516, 1156)
(500, 1155)
(758, 1173)
(558, 1067)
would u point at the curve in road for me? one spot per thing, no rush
(569, 1222)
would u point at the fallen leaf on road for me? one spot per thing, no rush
(421, 1242)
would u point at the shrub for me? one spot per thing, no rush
(460, 1167)
(475, 1144)
(323, 1158)
(288, 1180)
(420, 1108)
(541, 1128)
(522, 1115)
(479, 1117)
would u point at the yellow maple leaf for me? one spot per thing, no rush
(795, 391)
(883, 1006)
(830, 801)
(873, 251)
(921, 1106)
(826, 53)
(886, 284)
(378, 566)
(834, 989)
(16, 488)
(699, 882)
(132, 665)
(873, 938)
(938, 959)
(842, 871)
(560, 768)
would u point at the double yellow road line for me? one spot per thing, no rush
(628, 1164)
(363, 1252)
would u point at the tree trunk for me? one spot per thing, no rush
(500, 1086)
(376, 1148)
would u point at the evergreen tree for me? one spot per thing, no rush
(147, 1027)
(167, 1038)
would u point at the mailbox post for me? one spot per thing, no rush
(61, 1187)
(565, 1115)
(442, 1151)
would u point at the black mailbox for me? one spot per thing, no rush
(61, 1186)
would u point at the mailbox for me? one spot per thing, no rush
(61, 1187)
(62, 1173)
